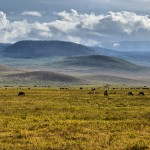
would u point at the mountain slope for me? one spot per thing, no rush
(100, 62)
(101, 79)
(3, 46)
(138, 57)
(34, 49)
(7, 69)
(43, 76)
(108, 52)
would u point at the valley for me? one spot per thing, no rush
(67, 63)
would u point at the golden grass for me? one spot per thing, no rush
(71, 119)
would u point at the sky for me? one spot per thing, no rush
(88, 22)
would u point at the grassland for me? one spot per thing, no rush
(71, 119)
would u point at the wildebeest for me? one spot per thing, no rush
(130, 93)
(93, 89)
(63, 88)
(21, 94)
(141, 93)
(90, 93)
(105, 93)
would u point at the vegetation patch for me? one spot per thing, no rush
(73, 119)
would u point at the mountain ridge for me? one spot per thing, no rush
(138, 57)
(99, 61)
(4, 46)
(36, 49)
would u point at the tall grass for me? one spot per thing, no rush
(73, 119)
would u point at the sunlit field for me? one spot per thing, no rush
(74, 119)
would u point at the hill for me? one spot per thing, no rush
(105, 79)
(100, 62)
(108, 52)
(77, 75)
(41, 77)
(34, 49)
(138, 57)
(4, 46)
(7, 69)
(127, 46)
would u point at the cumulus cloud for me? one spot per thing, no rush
(3, 20)
(21, 30)
(80, 28)
(32, 13)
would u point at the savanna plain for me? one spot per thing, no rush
(74, 119)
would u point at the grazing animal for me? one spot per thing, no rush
(90, 93)
(113, 93)
(105, 93)
(93, 89)
(141, 93)
(130, 93)
(21, 94)
(81, 88)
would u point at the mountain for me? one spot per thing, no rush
(44, 76)
(49, 78)
(108, 52)
(4, 46)
(137, 57)
(7, 69)
(104, 79)
(127, 46)
(99, 70)
(35, 49)
(98, 61)
(39, 78)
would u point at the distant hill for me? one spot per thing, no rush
(100, 62)
(43, 76)
(49, 78)
(34, 49)
(107, 52)
(7, 69)
(138, 57)
(103, 79)
(4, 46)
(127, 46)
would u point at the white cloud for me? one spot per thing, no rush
(32, 13)
(116, 44)
(112, 26)
(81, 28)
(3, 20)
